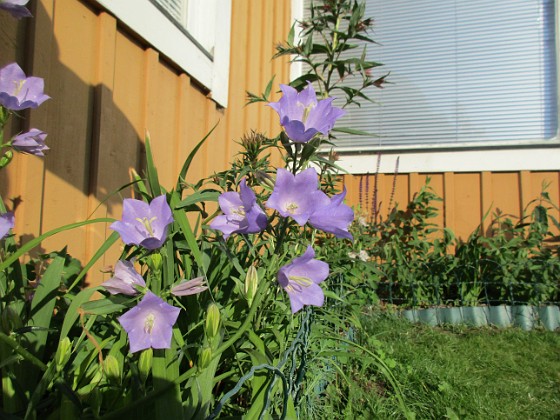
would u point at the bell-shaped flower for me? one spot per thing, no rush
(332, 215)
(144, 224)
(242, 214)
(31, 142)
(19, 92)
(301, 278)
(6, 223)
(124, 279)
(150, 323)
(295, 195)
(16, 8)
(190, 287)
(302, 116)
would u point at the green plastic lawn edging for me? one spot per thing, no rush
(525, 317)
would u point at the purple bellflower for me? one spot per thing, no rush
(302, 116)
(190, 287)
(124, 279)
(15, 8)
(31, 142)
(295, 195)
(144, 224)
(150, 323)
(19, 92)
(6, 223)
(332, 215)
(242, 214)
(301, 278)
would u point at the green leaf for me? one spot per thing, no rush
(151, 170)
(197, 197)
(72, 313)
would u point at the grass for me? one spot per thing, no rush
(460, 372)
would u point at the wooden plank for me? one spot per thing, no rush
(486, 201)
(467, 203)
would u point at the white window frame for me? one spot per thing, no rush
(146, 20)
(538, 155)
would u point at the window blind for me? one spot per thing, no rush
(461, 72)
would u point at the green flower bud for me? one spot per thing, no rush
(212, 321)
(112, 369)
(10, 320)
(154, 261)
(145, 364)
(63, 353)
(251, 284)
(6, 158)
(204, 358)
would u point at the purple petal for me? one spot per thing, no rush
(333, 216)
(6, 223)
(190, 287)
(15, 8)
(124, 279)
(150, 323)
(31, 142)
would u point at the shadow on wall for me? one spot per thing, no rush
(93, 145)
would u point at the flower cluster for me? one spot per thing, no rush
(295, 195)
(150, 323)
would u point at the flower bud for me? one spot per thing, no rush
(145, 364)
(63, 353)
(251, 284)
(212, 321)
(154, 261)
(112, 369)
(10, 320)
(204, 358)
(6, 158)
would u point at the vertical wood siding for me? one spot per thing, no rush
(108, 88)
(467, 197)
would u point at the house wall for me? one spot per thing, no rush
(467, 197)
(107, 89)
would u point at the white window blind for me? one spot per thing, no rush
(462, 72)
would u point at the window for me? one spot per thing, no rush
(463, 73)
(195, 34)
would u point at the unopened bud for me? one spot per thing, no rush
(154, 261)
(63, 353)
(112, 369)
(205, 357)
(145, 364)
(212, 321)
(251, 284)
(6, 158)
(10, 320)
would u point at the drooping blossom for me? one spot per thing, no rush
(19, 92)
(302, 116)
(124, 279)
(332, 215)
(242, 214)
(6, 223)
(15, 8)
(362, 255)
(295, 195)
(190, 287)
(31, 142)
(150, 323)
(144, 224)
(301, 278)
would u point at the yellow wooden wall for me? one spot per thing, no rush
(107, 89)
(467, 197)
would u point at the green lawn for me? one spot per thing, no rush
(461, 372)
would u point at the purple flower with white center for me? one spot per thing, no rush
(15, 8)
(302, 116)
(124, 279)
(332, 215)
(190, 287)
(150, 323)
(295, 195)
(144, 224)
(31, 142)
(301, 278)
(19, 92)
(6, 223)
(242, 214)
